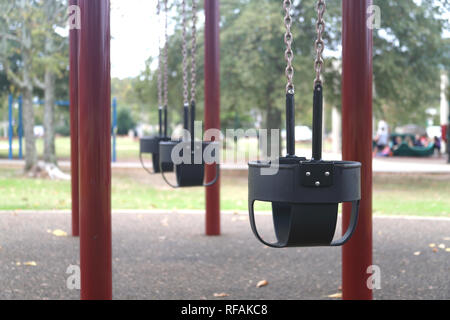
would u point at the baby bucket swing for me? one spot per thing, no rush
(150, 144)
(305, 194)
(188, 173)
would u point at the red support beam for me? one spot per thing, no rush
(94, 85)
(212, 108)
(357, 142)
(73, 39)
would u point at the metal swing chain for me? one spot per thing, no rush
(185, 55)
(160, 64)
(288, 54)
(166, 71)
(194, 51)
(319, 44)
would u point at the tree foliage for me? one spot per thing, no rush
(125, 121)
(409, 53)
(34, 56)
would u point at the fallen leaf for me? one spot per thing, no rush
(435, 249)
(432, 245)
(59, 233)
(18, 264)
(262, 283)
(336, 295)
(447, 249)
(30, 263)
(221, 295)
(446, 238)
(165, 222)
(417, 253)
(441, 246)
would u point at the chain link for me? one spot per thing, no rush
(166, 44)
(194, 51)
(319, 44)
(185, 55)
(288, 54)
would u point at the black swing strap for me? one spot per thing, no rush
(144, 166)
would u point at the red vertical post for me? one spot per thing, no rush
(73, 83)
(94, 85)
(212, 108)
(357, 142)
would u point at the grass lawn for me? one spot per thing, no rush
(127, 149)
(425, 195)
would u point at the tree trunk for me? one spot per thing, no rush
(31, 157)
(49, 130)
(273, 121)
(336, 128)
(28, 128)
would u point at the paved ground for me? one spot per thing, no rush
(165, 256)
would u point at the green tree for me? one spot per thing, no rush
(409, 53)
(34, 57)
(50, 64)
(125, 121)
(17, 25)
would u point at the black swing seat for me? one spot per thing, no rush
(151, 145)
(305, 196)
(188, 174)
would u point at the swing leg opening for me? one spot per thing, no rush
(305, 225)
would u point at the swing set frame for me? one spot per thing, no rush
(90, 101)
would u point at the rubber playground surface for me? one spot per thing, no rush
(167, 256)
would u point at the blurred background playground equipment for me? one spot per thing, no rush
(15, 125)
(413, 140)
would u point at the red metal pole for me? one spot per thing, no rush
(73, 39)
(94, 83)
(212, 108)
(357, 142)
